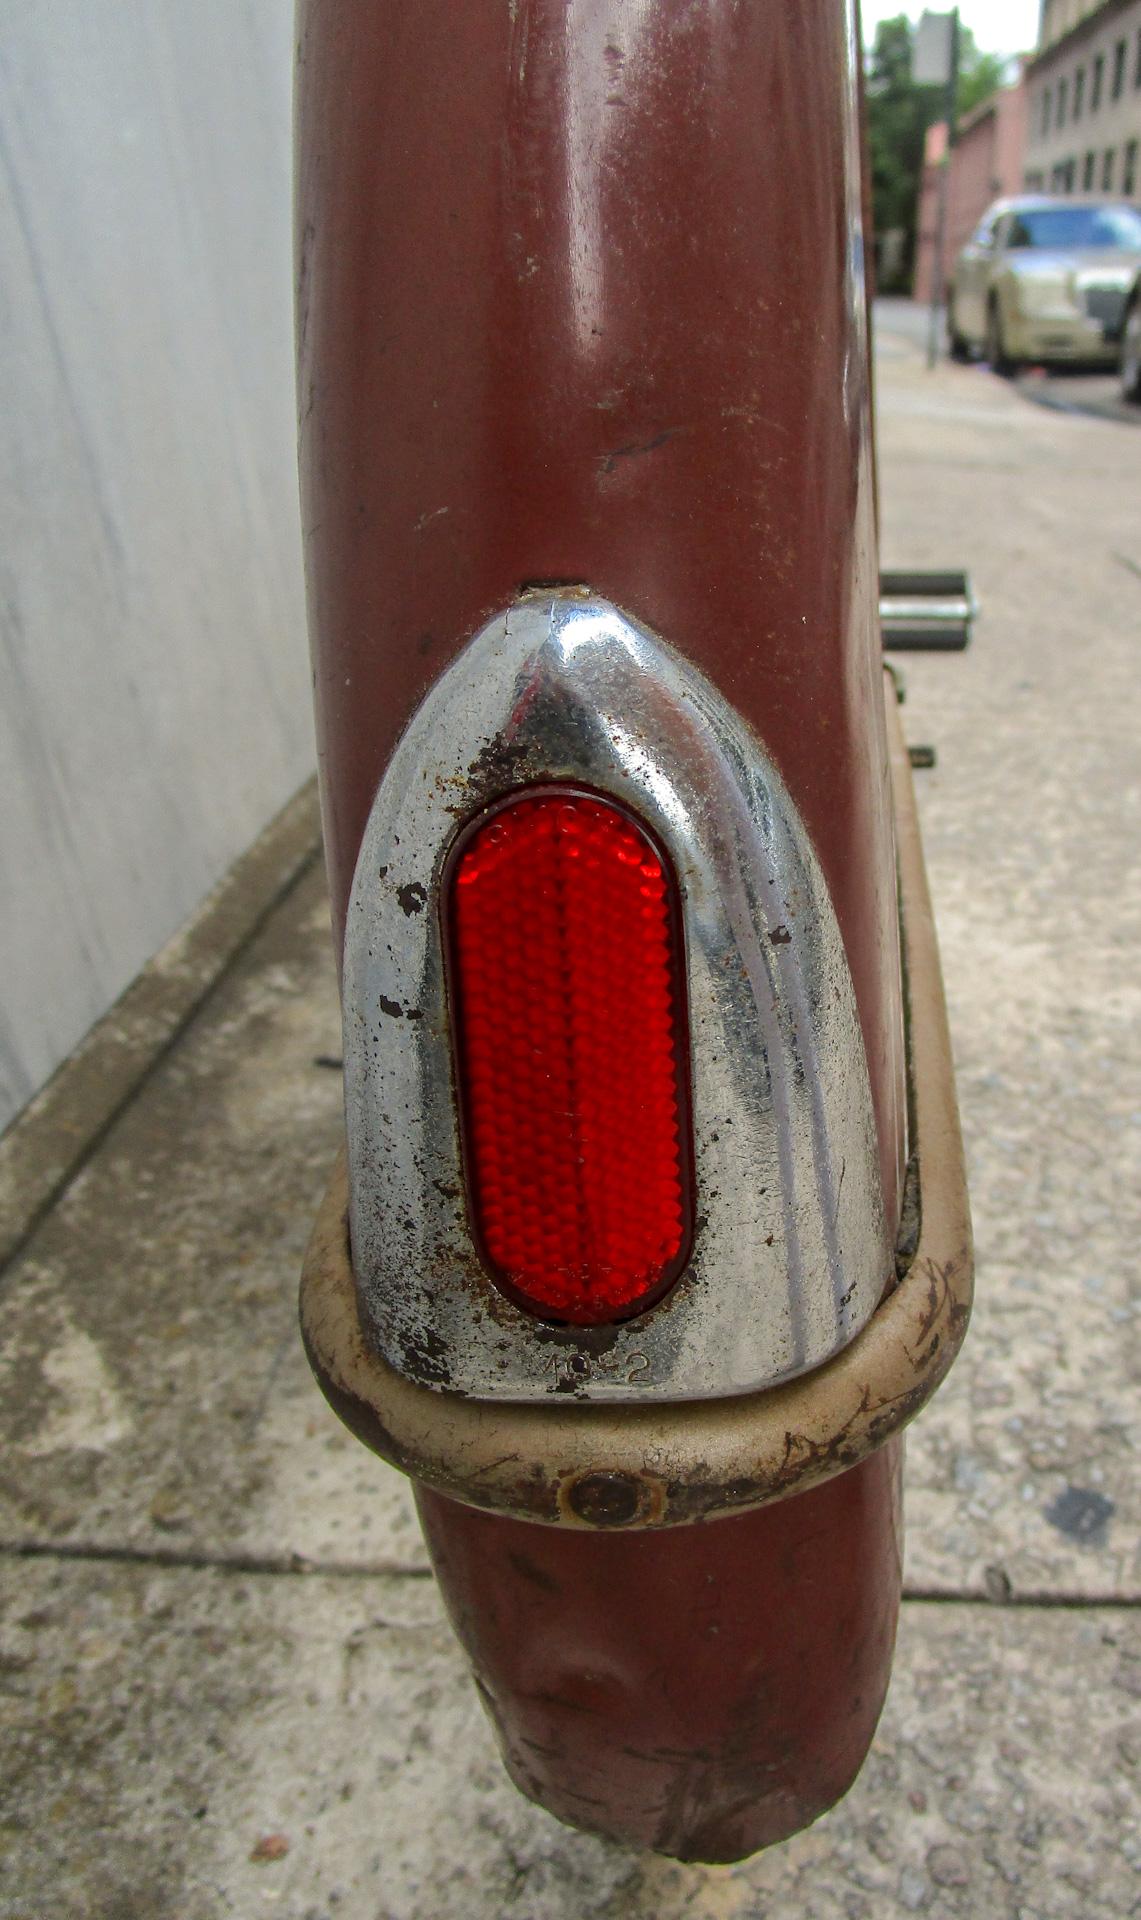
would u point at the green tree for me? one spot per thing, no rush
(899, 114)
(985, 74)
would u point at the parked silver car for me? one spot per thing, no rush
(1131, 343)
(1045, 280)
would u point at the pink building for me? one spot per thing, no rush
(985, 164)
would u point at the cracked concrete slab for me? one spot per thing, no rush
(199, 1745)
(153, 1392)
(1030, 832)
(55, 1132)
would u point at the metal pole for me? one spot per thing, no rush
(938, 269)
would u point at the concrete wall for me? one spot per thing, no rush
(1085, 130)
(1059, 17)
(154, 705)
(985, 164)
(1010, 135)
(974, 181)
(927, 220)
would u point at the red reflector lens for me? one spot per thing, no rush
(568, 998)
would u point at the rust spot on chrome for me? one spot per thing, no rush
(412, 898)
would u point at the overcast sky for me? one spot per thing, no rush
(999, 26)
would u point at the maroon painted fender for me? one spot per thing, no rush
(581, 299)
(702, 1693)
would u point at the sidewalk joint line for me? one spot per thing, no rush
(1031, 1598)
(275, 1566)
(298, 1566)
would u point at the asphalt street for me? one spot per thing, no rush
(226, 1685)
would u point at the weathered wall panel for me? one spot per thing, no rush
(154, 706)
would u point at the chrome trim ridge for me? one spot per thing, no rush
(792, 1250)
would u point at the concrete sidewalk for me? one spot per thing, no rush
(226, 1687)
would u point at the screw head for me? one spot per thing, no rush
(608, 1499)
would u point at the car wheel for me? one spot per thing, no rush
(1131, 352)
(1000, 360)
(959, 345)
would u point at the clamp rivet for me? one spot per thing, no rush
(608, 1499)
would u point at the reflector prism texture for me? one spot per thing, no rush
(567, 994)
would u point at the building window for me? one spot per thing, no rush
(1088, 172)
(1129, 177)
(1137, 62)
(1062, 87)
(1095, 84)
(1032, 181)
(1107, 171)
(1079, 93)
(1118, 70)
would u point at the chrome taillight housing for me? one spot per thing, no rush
(766, 1248)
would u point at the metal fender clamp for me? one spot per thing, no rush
(661, 1463)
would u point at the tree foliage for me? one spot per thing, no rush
(899, 114)
(986, 73)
